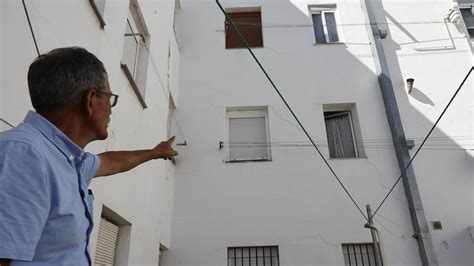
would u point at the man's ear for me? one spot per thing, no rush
(89, 102)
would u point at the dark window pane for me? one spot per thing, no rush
(331, 26)
(318, 28)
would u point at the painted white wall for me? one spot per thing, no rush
(142, 196)
(293, 201)
(444, 170)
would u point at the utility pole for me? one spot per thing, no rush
(370, 225)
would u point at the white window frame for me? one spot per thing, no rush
(323, 9)
(248, 112)
(137, 74)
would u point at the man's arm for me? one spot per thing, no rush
(114, 162)
(5, 262)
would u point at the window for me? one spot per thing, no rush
(248, 135)
(98, 6)
(340, 134)
(468, 16)
(324, 23)
(358, 254)
(249, 24)
(113, 241)
(135, 55)
(253, 256)
(106, 242)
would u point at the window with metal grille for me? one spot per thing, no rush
(253, 256)
(324, 23)
(248, 137)
(468, 17)
(340, 134)
(359, 254)
(249, 25)
(99, 6)
(135, 55)
(106, 242)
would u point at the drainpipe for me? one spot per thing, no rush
(418, 219)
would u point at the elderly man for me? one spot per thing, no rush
(45, 204)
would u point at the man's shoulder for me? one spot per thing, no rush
(23, 134)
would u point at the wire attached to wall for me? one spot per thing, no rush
(421, 145)
(6, 122)
(31, 28)
(242, 39)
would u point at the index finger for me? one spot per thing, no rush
(171, 140)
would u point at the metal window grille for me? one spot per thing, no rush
(359, 254)
(340, 134)
(253, 256)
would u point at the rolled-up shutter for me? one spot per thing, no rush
(106, 242)
(248, 138)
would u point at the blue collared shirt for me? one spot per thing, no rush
(45, 204)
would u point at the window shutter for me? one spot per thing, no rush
(249, 24)
(106, 242)
(248, 138)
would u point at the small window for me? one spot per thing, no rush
(106, 242)
(324, 23)
(248, 135)
(358, 254)
(113, 240)
(253, 256)
(249, 24)
(135, 55)
(340, 134)
(468, 16)
(99, 6)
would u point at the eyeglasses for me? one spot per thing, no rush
(113, 97)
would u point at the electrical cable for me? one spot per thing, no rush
(31, 28)
(6, 122)
(421, 145)
(242, 39)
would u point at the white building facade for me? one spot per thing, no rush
(250, 188)
(136, 42)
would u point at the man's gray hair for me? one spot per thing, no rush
(55, 79)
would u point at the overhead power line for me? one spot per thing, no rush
(242, 39)
(426, 138)
(31, 28)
